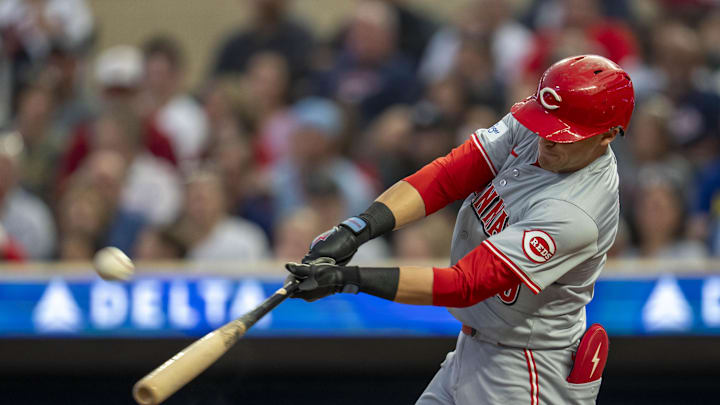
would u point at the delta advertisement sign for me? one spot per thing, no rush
(162, 306)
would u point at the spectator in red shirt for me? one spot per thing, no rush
(119, 73)
(583, 21)
(171, 110)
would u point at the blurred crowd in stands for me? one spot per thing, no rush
(288, 134)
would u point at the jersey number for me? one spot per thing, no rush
(509, 296)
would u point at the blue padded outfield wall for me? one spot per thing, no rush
(175, 306)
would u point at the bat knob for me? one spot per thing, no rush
(144, 395)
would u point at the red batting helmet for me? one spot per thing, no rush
(577, 98)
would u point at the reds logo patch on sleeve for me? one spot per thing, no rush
(538, 246)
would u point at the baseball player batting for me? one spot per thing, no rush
(540, 211)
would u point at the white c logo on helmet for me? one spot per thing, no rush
(555, 96)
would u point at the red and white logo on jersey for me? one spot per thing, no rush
(538, 246)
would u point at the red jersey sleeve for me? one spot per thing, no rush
(454, 176)
(477, 276)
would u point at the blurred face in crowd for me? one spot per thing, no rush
(217, 104)
(411, 244)
(473, 62)
(477, 116)
(162, 78)
(427, 239)
(332, 206)
(709, 34)
(310, 146)
(268, 74)
(205, 201)
(151, 246)
(7, 176)
(569, 157)
(622, 240)
(581, 13)
(269, 9)
(649, 140)
(233, 157)
(392, 131)
(429, 143)
(76, 247)
(115, 96)
(106, 171)
(34, 113)
(371, 36)
(82, 211)
(482, 16)
(111, 136)
(294, 234)
(572, 41)
(448, 96)
(63, 66)
(658, 213)
(678, 53)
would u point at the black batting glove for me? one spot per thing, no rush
(339, 243)
(323, 278)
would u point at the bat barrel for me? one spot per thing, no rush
(172, 375)
(187, 364)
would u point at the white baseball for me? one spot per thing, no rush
(112, 264)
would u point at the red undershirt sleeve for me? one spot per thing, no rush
(476, 277)
(452, 177)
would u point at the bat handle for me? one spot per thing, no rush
(266, 306)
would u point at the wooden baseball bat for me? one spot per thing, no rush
(187, 364)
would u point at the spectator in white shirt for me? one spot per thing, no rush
(660, 220)
(315, 150)
(26, 219)
(29, 29)
(176, 114)
(38, 24)
(152, 186)
(510, 41)
(214, 234)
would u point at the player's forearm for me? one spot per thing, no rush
(477, 276)
(415, 286)
(407, 284)
(458, 286)
(405, 203)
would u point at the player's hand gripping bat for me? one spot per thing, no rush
(187, 364)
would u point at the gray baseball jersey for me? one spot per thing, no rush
(553, 230)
